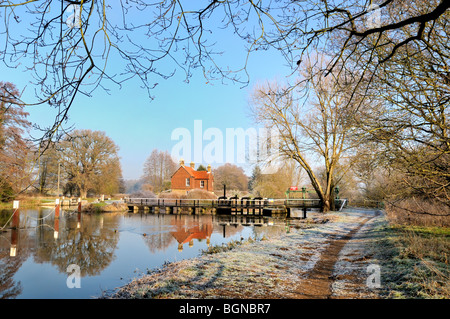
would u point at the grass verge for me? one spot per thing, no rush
(414, 262)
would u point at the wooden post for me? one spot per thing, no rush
(16, 216)
(15, 229)
(57, 206)
(79, 220)
(56, 232)
(79, 205)
(14, 240)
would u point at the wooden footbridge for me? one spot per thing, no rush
(227, 206)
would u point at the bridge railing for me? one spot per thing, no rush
(233, 202)
(221, 201)
(170, 202)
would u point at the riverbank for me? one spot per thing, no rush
(325, 256)
(103, 207)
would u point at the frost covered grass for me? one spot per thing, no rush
(251, 269)
(255, 268)
(414, 261)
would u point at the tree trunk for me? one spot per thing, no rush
(328, 202)
(83, 192)
(326, 205)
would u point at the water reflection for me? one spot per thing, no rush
(94, 242)
(91, 246)
(186, 231)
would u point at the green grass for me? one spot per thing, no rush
(426, 231)
(414, 261)
(23, 203)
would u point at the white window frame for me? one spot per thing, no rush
(188, 182)
(202, 184)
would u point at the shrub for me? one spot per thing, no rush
(143, 194)
(6, 192)
(419, 212)
(200, 194)
(170, 195)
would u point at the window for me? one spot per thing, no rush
(202, 184)
(188, 182)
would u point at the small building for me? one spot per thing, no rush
(186, 178)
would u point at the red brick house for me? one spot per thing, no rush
(186, 178)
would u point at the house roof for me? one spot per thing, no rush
(196, 174)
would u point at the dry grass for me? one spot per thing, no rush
(170, 195)
(415, 262)
(104, 208)
(200, 194)
(420, 265)
(416, 212)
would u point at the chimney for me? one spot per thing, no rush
(209, 168)
(192, 165)
(181, 162)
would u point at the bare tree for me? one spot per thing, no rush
(158, 169)
(408, 119)
(317, 127)
(232, 176)
(47, 170)
(275, 185)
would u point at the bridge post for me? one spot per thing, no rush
(57, 207)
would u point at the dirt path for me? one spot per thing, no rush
(318, 282)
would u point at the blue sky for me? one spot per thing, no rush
(138, 125)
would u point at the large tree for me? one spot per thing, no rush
(15, 150)
(230, 175)
(48, 169)
(275, 184)
(90, 161)
(314, 129)
(158, 170)
(408, 119)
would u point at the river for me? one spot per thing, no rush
(108, 249)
